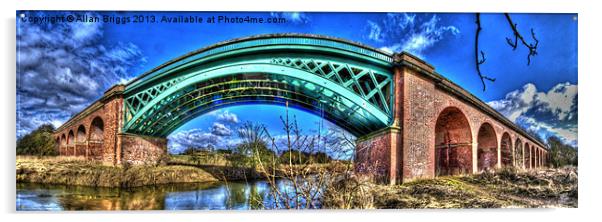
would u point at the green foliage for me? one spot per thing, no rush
(299, 157)
(251, 153)
(321, 157)
(224, 151)
(39, 142)
(561, 154)
(254, 150)
(295, 157)
(193, 150)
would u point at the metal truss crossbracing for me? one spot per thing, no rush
(253, 87)
(371, 86)
(351, 90)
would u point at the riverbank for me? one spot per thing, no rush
(505, 188)
(81, 172)
(78, 171)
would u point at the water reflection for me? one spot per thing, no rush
(224, 196)
(205, 196)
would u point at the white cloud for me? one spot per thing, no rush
(560, 99)
(516, 102)
(551, 113)
(375, 32)
(294, 17)
(409, 32)
(226, 116)
(191, 138)
(63, 67)
(220, 130)
(392, 48)
(568, 135)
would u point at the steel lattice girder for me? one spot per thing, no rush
(272, 89)
(362, 90)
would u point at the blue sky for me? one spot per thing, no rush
(61, 68)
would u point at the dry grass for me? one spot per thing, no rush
(78, 171)
(506, 188)
(532, 188)
(201, 159)
(55, 159)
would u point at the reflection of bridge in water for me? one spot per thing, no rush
(411, 122)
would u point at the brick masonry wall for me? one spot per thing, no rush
(142, 149)
(422, 104)
(80, 149)
(112, 147)
(109, 110)
(95, 151)
(373, 156)
(113, 114)
(419, 117)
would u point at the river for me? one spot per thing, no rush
(204, 196)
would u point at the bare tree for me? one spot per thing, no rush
(298, 167)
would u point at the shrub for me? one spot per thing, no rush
(39, 142)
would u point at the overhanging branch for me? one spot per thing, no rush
(481, 60)
(517, 36)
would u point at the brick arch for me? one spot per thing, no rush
(537, 157)
(453, 142)
(63, 140)
(486, 147)
(70, 138)
(518, 153)
(97, 128)
(533, 156)
(506, 150)
(63, 144)
(540, 162)
(527, 156)
(96, 136)
(81, 134)
(542, 158)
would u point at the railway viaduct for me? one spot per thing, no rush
(410, 121)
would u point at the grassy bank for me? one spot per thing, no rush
(506, 188)
(225, 166)
(179, 169)
(77, 171)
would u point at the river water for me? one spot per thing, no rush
(203, 196)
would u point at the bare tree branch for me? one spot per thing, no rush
(476, 53)
(532, 47)
(512, 43)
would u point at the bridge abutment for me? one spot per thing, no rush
(377, 155)
(137, 149)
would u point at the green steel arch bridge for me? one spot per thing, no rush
(350, 83)
(396, 104)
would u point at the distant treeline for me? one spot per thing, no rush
(293, 156)
(38, 142)
(562, 154)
